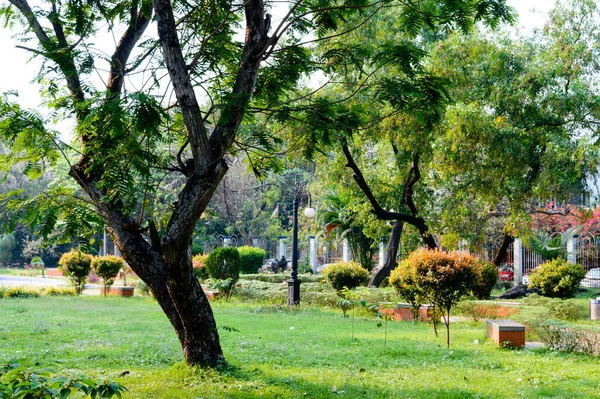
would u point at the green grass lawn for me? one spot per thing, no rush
(275, 353)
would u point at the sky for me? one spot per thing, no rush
(17, 72)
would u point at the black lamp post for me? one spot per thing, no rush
(301, 198)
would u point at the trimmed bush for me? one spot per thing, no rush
(251, 259)
(403, 281)
(108, 267)
(223, 264)
(76, 265)
(444, 278)
(487, 277)
(199, 263)
(345, 274)
(557, 278)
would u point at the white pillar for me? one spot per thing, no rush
(104, 242)
(312, 253)
(255, 241)
(572, 250)
(117, 252)
(518, 262)
(227, 241)
(282, 248)
(345, 251)
(382, 254)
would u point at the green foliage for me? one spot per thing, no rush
(224, 263)
(21, 292)
(342, 275)
(404, 283)
(536, 308)
(76, 265)
(225, 287)
(59, 291)
(557, 278)
(552, 246)
(251, 259)
(143, 288)
(18, 382)
(7, 244)
(487, 276)
(108, 267)
(570, 338)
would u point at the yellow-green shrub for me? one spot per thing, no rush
(402, 279)
(75, 265)
(557, 278)
(345, 274)
(107, 267)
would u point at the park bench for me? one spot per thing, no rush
(506, 331)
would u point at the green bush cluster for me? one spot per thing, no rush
(21, 292)
(345, 274)
(76, 265)
(59, 291)
(557, 278)
(536, 307)
(570, 338)
(28, 292)
(251, 259)
(107, 267)
(485, 280)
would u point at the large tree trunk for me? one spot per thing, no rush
(166, 266)
(502, 251)
(391, 254)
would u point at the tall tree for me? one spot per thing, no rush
(120, 132)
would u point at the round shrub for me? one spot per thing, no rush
(402, 279)
(557, 278)
(224, 263)
(345, 274)
(107, 267)
(251, 259)
(486, 279)
(444, 278)
(199, 264)
(75, 265)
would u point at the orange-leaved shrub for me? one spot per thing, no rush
(443, 278)
(199, 262)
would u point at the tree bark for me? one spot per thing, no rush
(502, 251)
(391, 254)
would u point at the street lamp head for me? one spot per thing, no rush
(309, 212)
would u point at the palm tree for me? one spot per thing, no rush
(335, 214)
